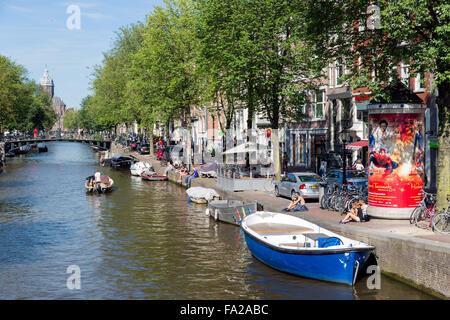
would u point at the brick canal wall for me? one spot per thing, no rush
(421, 263)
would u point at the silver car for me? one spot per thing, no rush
(305, 183)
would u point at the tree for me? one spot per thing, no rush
(71, 119)
(269, 67)
(111, 77)
(23, 105)
(169, 54)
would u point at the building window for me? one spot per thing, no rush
(318, 104)
(418, 86)
(339, 71)
(405, 74)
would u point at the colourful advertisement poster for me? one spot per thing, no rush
(396, 159)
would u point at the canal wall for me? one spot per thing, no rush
(420, 263)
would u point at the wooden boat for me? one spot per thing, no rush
(105, 185)
(299, 247)
(230, 211)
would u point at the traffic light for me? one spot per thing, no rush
(268, 133)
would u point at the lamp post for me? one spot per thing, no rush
(344, 137)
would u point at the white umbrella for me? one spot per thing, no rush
(245, 147)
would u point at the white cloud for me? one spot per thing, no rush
(96, 16)
(20, 9)
(84, 5)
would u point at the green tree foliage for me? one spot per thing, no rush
(373, 40)
(111, 77)
(23, 105)
(255, 54)
(71, 119)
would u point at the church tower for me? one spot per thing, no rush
(47, 83)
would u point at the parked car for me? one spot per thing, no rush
(144, 149)
(122, 162)
(354, 177)
(305, 183)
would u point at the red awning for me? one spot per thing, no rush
(357, 145)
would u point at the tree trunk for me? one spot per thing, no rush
(276, 154)
(167, 132)
(152, 146)
(249, 129)
(443, 170)
(189, 138)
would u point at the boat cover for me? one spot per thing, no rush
(202, 193)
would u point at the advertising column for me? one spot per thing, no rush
(396, 159)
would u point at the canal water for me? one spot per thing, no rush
(142, 241)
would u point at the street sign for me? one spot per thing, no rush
(433, 143)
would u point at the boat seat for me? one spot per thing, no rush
(277, 229)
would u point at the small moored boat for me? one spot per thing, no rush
(149, 174)
(230, 211)
(202, 195)
(138, 168)
(123, 162)
(104, 186)
(299, 247)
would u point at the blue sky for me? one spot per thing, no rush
(34, 33)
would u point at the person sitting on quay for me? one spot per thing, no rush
(193, 175)
(182, 171)
(169, 168)
(357, 213)
(297, 204)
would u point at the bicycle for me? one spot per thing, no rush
(441, 221)
(424, 213)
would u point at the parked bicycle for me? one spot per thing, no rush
(441, 221)
(424, 213)
(340, 197)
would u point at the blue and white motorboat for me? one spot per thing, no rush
(296, 246)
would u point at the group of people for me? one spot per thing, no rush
(182, 171)
(95, 182)
(357, 213)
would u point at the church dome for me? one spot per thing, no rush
(57, 101)
(46, 80)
